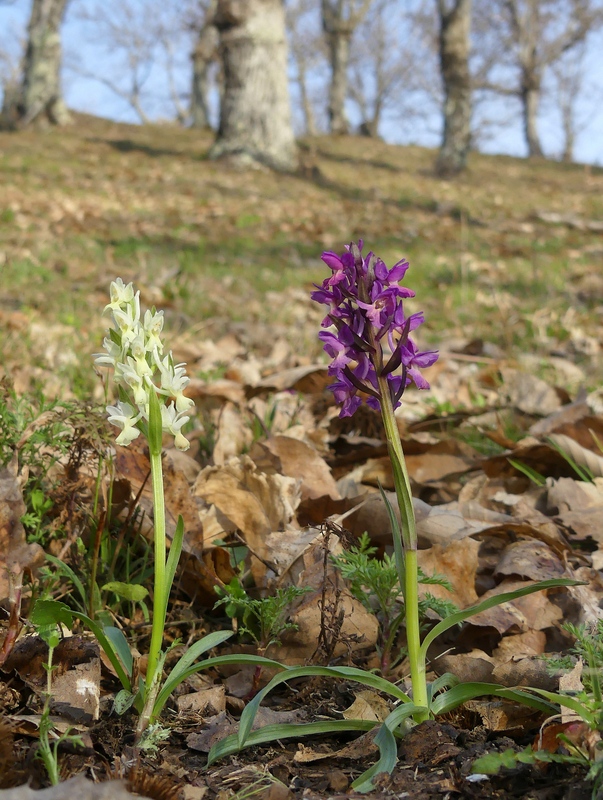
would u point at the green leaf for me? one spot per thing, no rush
(155, 434)
(530, 473)
(120, 645)
(133, 592)
(182, 669)
(388, 758)
(569, 702)
(388, 749)
(583, 472)
(271, 733)
(50, 612)
(348, 673)
(492, 763)
(65, 569)
(108, 648)
(173, 559)
(459, 694)
(496, 600)
(445, 681)
(122, 702)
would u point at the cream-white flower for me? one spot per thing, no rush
(126, 418)
(172, 423)
(127, 320)
(129, 375)
(153, 325)
(111, 357)
(120, 294)
(173, 382)
(139, 355)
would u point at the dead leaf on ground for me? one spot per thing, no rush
(79, 787)
(360, 748)
(306, 379)
(458, 562)
(530, 671)
(571, 683)
(299, 460)
(503, 716)
(233, 434)
(214, 394)
(531, 612)
(473, 666)
(528, 393)
(255, 503)
(530, 559)
(368, 705)
(356, 628)
(529, 643)
(16, 555)
(132, 464)
(205, 702)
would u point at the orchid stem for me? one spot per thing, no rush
(406, 553)
(159, 593)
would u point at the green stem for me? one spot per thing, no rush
(159, 594)
(406, 552)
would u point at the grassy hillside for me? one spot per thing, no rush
(511, 252)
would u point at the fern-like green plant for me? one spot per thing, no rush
(375, 583)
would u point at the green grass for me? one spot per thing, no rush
(85, 204)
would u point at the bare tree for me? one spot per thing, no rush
(11, 70)
(529, 38)
(570, 83)
(204, 56)
(255, 116)
(382, 71)
(146, 46)
(454, 45)
(305, 49)
(39, 95)
(340, 18)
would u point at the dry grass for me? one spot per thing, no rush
(82, 205)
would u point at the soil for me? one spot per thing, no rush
(435, 761)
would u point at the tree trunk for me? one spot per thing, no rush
(306, 103)
(255, 118)
(455, 24)
(339, 56)
(205, 52)
(530, 100)
(40, 94)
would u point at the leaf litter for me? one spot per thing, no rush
(505, 468)
(482, 522)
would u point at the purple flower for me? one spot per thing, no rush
(366, 309)
(414, 360)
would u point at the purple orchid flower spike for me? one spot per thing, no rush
(371, 340)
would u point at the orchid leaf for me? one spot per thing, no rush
(348, 673)
(496, 600)
(270, 733)
(173, 558)
(462, 692)
(388, 749)
(186, 666)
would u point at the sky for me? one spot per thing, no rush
(85, 55)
